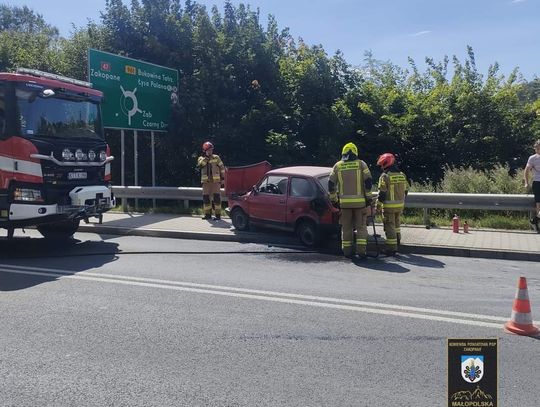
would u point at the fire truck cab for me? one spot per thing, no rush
(54, 162)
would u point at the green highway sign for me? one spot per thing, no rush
(138, 95)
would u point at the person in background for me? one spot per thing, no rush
(212, 177)
(533, 166)
(393, 187)
(349, 182)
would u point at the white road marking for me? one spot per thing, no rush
(288, 298)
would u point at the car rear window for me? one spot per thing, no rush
(324, 181)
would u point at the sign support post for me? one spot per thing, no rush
(136, 163)
(123, 166)
(152, 140)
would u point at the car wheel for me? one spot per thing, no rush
(307, 233)
(60, 230)
(240, 219)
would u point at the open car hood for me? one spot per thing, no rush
(239, 180)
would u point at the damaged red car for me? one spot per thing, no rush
(293, 199)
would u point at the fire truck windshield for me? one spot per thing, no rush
(56, 113)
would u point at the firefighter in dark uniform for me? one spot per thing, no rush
(393, 187)
(349, 183)
(212, 177)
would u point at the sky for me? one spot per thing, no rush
(503, 31)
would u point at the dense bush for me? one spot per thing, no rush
(498, 180)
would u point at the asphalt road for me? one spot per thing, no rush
(131, 321)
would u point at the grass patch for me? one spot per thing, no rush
(483, 220)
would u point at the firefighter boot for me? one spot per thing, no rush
(216, 198)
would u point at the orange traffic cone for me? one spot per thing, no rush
(521, 321)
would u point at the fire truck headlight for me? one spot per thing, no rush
(102, 156)
(91, 155)
(67, 155)
(27, 195)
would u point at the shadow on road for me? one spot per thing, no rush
(381, 264)
(22, 262)
(420, 261)
(396, 264)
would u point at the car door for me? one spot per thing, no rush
(301, 192)
(268, 204)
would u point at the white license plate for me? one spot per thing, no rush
(77, 175)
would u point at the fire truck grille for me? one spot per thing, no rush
(72, 176)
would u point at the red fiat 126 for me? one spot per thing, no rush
(293, 199)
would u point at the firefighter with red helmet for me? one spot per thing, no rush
(393, 187)
(349, 183)
(212, 177)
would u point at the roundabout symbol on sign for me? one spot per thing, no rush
(128, 94)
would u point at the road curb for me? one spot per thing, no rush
(271, 239)
(468, 252)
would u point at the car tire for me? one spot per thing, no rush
(59, 231)
(240, 219)
(308, 233)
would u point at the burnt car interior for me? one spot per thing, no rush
(274, 185)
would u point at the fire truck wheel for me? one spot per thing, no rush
(60, 230)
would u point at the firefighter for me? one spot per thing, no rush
(349, 182)
(212, 177)
(393, 187)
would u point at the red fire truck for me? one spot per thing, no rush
(54, 162)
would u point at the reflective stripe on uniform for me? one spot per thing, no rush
(352, 200)
(349, 165)
(397, 178)
(393, 205)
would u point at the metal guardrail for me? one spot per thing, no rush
(503, 202)
(185, 194)
(423, 200)
(180, 193)
(493, 202)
